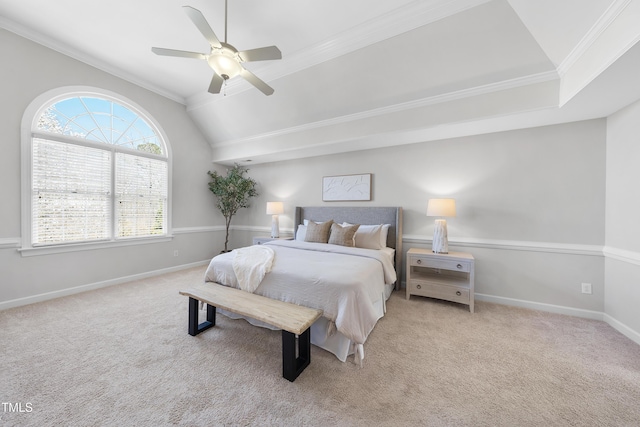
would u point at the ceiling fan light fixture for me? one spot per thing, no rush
(223, 58)
(224, 63)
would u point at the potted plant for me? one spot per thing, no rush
(232, 192)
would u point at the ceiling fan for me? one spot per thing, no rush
(225, 60)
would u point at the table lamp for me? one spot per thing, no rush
(274, 209)
(441, 208)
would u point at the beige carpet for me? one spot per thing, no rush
(121, 356)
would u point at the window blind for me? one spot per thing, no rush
(141, 196)
(71, 189)
(99, 173)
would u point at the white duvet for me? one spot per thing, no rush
(344, 282)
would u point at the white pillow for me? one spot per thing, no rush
(383, 234)
(371, 236)
(306, 222)
(367, 236)
(301, 232)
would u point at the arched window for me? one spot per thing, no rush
(98, 172)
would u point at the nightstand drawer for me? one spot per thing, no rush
(433, 290)
(443, 264)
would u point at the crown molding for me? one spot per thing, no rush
(396, 22)
(69, 51)
(404, 106)
(600, 26)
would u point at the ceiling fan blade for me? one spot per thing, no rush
(180, 53)
(216, 84)
(199, 20)
(251, 78)
(261, 54)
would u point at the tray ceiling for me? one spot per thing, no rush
(360, 74)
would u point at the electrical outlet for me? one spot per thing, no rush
(175, 253)
(586, 288)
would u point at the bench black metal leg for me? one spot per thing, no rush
(194, 327)
(293, 366)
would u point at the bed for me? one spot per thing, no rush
(350, 284)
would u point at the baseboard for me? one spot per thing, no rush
(75, 290)
(570, 311)
(551, 308)
(622, 328)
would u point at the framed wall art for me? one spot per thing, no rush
(346, 188)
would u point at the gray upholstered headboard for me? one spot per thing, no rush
(360, 215)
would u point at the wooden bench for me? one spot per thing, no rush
(293, 319)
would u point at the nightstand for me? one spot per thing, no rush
(442, 276)
(262, 240)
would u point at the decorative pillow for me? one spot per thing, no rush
(302, 229)
(301, 232)
(318, 233)
(344, 236)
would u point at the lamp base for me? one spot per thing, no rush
(440, 242)
(275, 227)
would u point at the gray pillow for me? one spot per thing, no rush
(343, 235)
(318, 233)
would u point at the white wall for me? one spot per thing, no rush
(28, 70)
(530, 206)
(622, 269)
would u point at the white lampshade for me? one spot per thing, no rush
(275, 208)
(441, 207)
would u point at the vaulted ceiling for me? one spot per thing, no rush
(360, 74)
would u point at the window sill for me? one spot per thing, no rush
(75, 247)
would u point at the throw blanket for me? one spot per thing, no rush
(250, 265)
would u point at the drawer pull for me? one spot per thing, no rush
(419, 261)
(458, 293)
(419, 286)
(459, 266)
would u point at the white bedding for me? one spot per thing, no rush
(347, 283)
